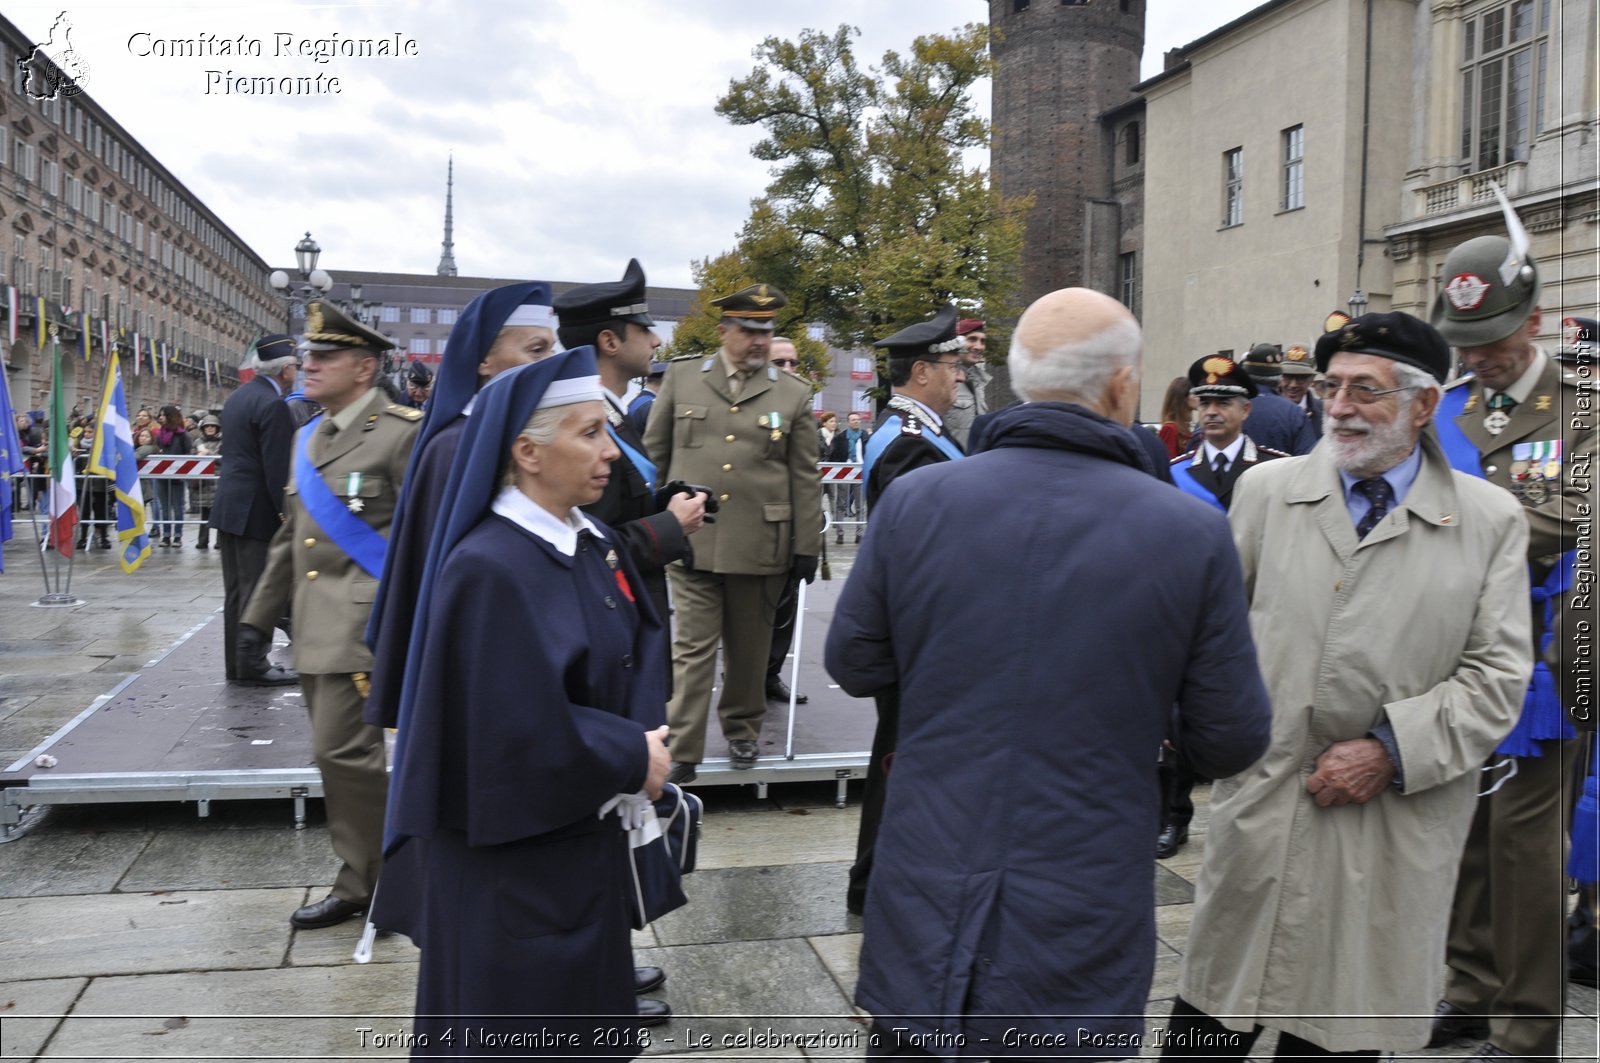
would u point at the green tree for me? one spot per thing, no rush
(872, 217)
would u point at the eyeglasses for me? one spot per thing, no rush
(785, 363)
(1360, 394)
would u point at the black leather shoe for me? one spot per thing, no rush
(681, 774)
(742, 754)
(1170, 840)
(778, 690)
(1450, 1023)
(1492, 1053)
(330, 911)
(263, 673)
(653, 1012)
(648, 978)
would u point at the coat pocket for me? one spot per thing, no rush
(689, 425)
(549, 887)
(778, 516)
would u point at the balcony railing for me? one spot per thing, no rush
(1472, 190)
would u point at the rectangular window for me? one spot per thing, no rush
(1233, 187)
(447, 315)
(1503, 83)
(1129, 264)
(419, 345)
(390, 314)
(1294, 178)
(420, 316)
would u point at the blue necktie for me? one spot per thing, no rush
(1379, 493)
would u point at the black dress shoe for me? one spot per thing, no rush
(648, 978)
(330, 911)
(1170, 840)
(653, 1012)
(1450, 1023)
(778, 690)
(262, 673)
(742, 754)
(681, 774)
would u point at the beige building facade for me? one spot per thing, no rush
(1273, 144)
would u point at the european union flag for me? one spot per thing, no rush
(11, 463)
(114, 458)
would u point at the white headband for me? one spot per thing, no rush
(532, 314)
(570, 390)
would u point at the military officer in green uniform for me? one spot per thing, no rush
(744, 429)
(1519, 421)
(345, 475)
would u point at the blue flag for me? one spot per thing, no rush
(114, 458)
(11, 463)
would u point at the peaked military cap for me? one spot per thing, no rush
(419, 375)
(755, 307)
(1218, 376)
(330, 329)
(1264, 362)
(925, 339)
(1578, 340)
(1297, 362)
(1398, 337)
(590, 304)
(1488, 292)
(273, 346)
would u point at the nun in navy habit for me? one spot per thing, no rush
(535, 698)
(500, 329)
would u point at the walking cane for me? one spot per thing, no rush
(369, 933)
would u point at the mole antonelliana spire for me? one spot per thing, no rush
(447, 260)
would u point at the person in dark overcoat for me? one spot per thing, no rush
(248, 506)
(1012, 886)
(497, 864)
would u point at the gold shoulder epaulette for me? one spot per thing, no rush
(403, 411)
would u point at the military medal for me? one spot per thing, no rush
(622, 578)
(776, 421)
(352, 491)
(1497, 419)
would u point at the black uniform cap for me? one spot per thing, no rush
(275, 345)
(1396, 336)
(590, 304)
(1218, 376)
(926, 339)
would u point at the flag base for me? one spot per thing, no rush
(58, 599)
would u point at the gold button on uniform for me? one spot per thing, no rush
(729, 438)
(311, 542)
(312, 574)
(724, 497)
(727, 468)
(733, 409)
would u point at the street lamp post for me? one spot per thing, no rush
(1358, 303)
(313, 283)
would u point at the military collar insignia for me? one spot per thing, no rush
(1541, 403)
(1466, 291)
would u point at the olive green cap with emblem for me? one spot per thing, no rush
(1489, 291)
(755, 307)
(330, 329)
(1297, 361)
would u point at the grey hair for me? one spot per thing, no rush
(1409, 376)
(1079, 370)
(276, 365)
(540, 430)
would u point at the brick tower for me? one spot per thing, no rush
(1059, 65)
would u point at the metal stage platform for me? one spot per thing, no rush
(176, 731)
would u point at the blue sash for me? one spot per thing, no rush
(1189, 485)
(1542, 717)
(349, 532)
(888, 432)
(646, 467)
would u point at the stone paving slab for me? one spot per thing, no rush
(334, 945)
(756, 903)
(21, 1038)
(1171, 888)
(841, 955)
(796, 836)
(60, 863)
(144, 933)
(233, 859)
(292, 1013)
(720, 993)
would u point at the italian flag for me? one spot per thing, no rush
(63, 487)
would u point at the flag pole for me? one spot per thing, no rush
(62, 594)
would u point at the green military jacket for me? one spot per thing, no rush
(757, 454)
(364, 465)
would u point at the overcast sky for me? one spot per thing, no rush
(583, 130)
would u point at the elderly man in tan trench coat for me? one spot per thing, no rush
(1392, 621)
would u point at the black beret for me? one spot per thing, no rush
(1220, 376)
(935, 336)
(590, 304)
(1398, 337)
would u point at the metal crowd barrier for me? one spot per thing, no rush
(32, 491)
(842, 484)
